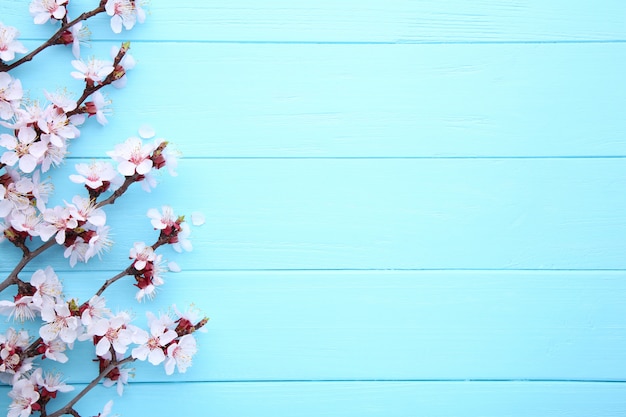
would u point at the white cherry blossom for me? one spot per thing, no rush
(149, 281)
(21, 308)
(96, 309)
(95, 174)
(121, 380)
(44, 10)
(10, 95)
(49, 288)
(162, 220)
(61, 101)
(152, 345)
(12, 343)
(98, 107)
(92, 71)
(124, 13)
(183, 243)
(54, 349)
(60, 323)
(56, 127)
(114, 332)
(98, 243)
(142, 254)
(23, 149)
(127, 63)
(84, 209)
(9, 46)
(24, 396)
(52, 382)
(28, 221)
(179, 354)
(59, 221)
(132, 156)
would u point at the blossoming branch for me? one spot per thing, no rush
(34, 138)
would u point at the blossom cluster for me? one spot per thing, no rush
(34, 138)
(169, 340)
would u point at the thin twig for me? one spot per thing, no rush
(118, 193)
(12, 278)
(54, 38)
(69, 406)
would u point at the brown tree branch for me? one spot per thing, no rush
(69, 406)
(54, 38)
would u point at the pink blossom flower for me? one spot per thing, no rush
(54, 155)
(142, 254)
(51, 383)
(21, 308)
(53, 350)
(124, 13)
(148, 183)
(8, 45)
(41, 190)
(93, 71)
(96, 175)
(132, 157)
(95, 309)
(27, 221)
(75, 35)
(98, 243)
(10, 95)
(179, 354)
(98, 107)
(15, 195)
(161, 221)
(12, 344)
(24, 116)
(48, 287)
(152, 345)
(183, 243)
(59, 221)
(150, 279)
(60, 323)
(76, 251)
(87, 244)
(126, 63)
(23, 149)
(163, 155)
(188, 319)
(113, 332)
(25, 398)
(120, 378)
(56, 127)
(61, 101)
(84, 209)
(44, 10)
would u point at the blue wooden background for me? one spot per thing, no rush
(413, 207)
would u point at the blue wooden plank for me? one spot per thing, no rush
(362, 399)
(360, 21)
(364, 100)
(480, 325)
(382, 214)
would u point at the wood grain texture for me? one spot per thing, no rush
(383, 214)
(366, 100)
(364, 21)
(366, 399)
(383, 325)
(413, 207)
